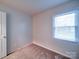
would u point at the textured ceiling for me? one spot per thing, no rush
(32, 6)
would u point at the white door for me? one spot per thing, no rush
(3, 38)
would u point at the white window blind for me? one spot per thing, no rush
(64, 27)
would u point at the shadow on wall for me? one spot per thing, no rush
(8, 28)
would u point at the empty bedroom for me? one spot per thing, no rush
(39, 29)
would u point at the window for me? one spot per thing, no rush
(65, 27)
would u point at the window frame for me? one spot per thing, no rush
(77, 25)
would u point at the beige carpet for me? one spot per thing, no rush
(33, 52)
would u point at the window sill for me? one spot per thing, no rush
(74, 42)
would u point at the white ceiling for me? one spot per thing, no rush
(32, 6)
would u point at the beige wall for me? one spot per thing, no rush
(19, 28)
(42, 29)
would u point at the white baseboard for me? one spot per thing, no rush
(69, 55)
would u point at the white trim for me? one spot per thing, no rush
(60, 14)
(66, 55)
